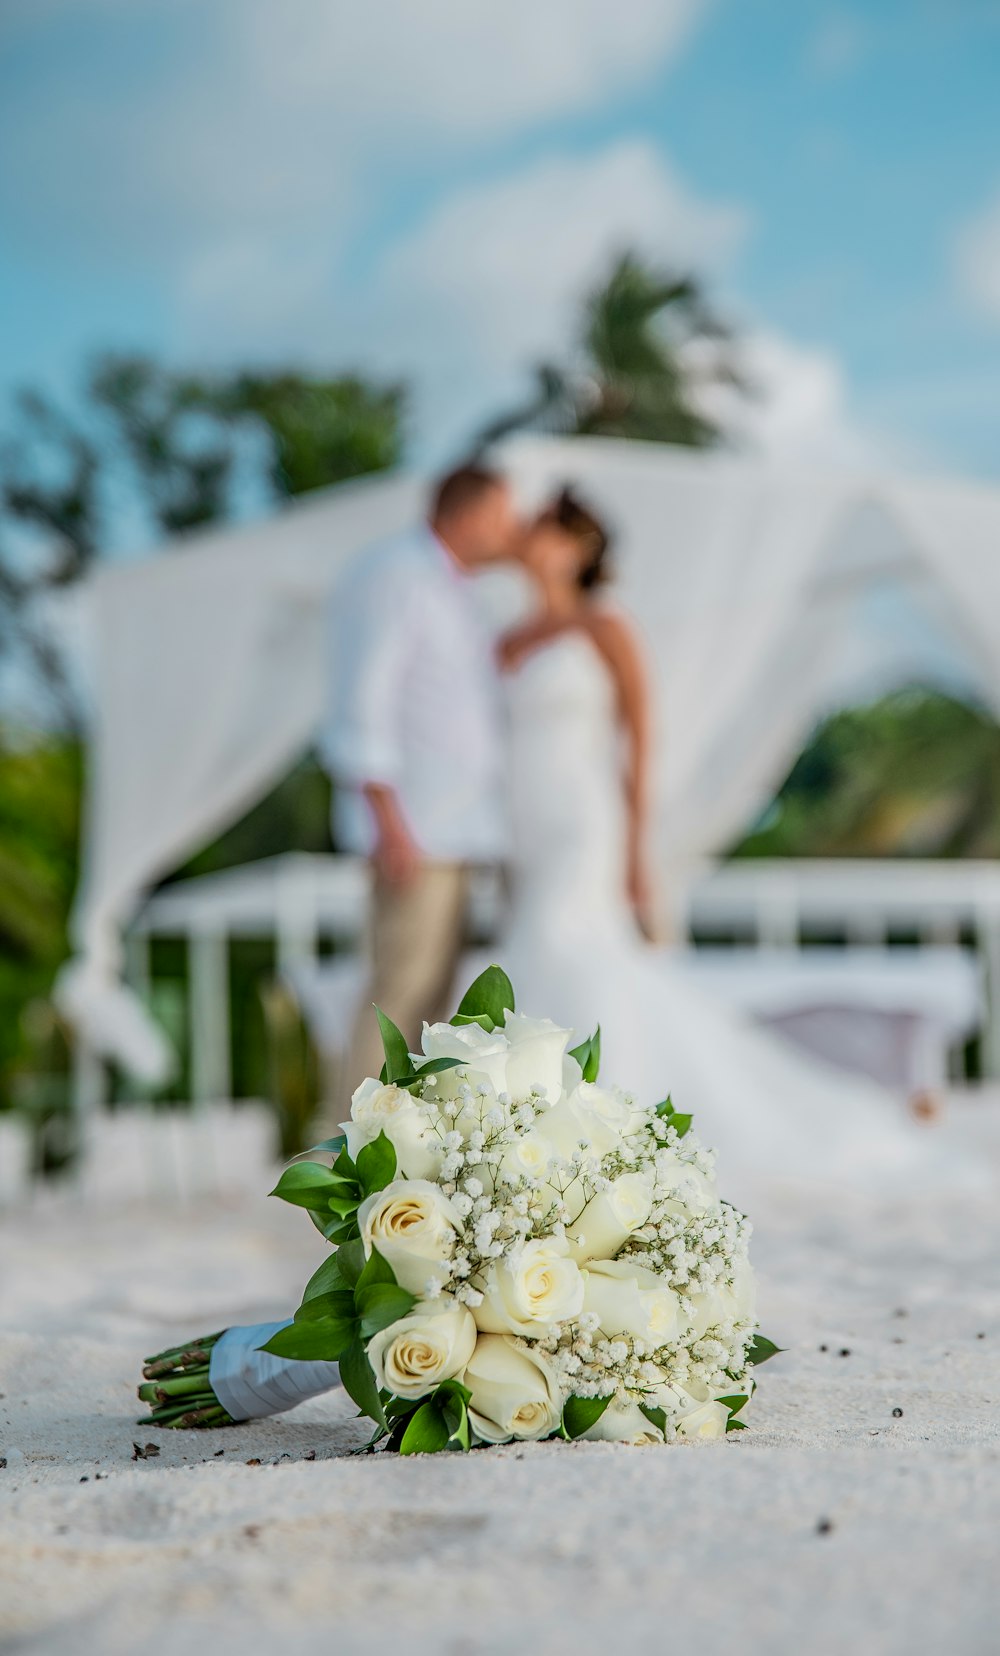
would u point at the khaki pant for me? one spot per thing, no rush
(415, 938)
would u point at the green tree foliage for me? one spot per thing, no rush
(184, 450)
(39, 829)
(914, 774)
(642, 332)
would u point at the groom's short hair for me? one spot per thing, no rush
(462, 487)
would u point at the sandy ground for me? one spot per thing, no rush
(833, 1525)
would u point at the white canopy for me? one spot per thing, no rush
(755, 586)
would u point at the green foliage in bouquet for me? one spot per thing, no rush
(582, 1373)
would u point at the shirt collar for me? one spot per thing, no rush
(443, 556)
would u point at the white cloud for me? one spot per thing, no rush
(799, 406)
(457, 67)
(238, 164)
(270, 116)
(490, 281)
(976, 261)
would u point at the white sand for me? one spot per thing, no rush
(700, 1548)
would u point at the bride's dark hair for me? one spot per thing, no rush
(570, 513)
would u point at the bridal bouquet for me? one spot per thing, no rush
(518, 1251)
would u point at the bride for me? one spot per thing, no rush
(580, 928)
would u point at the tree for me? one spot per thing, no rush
(648, 344)
(916, 773)
(185, 450)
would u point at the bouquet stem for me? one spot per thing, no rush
(178, 1389)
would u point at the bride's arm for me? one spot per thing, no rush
(519, 641)
(619, 645)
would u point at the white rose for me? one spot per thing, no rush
(538, 1286)
(483, 1054)
(630, 1299)
(610, 1218)
(414, 1226)
(708, 1420)
(527, 1157)
(375, 1109)
(623, 1422)
(514, 1391)
(723, 1304)
(537, 1049)
(414, 1355)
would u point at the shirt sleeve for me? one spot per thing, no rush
(370, 637)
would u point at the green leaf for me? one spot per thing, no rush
(351, 1259)
(306, 1184)
(455, 1412)
(666, 1108)
(427, 1432)
(338, 1231)
(345, 1207)
(344, 1169)
(397, 1408)
(588, 1055)
(326, 1280)
(657, 1417)
(335, 1144)
(483, 1019)
(338, 1305)
(734, 1404)
(310, 1342)
(679, 1123)
(381, 1305)
(358, 1380)
(491, 994)
(453, 1388)
(334, 1228)
(375, 1270)
(580, 1413)
(761, 1349)
(397, 1053)
(377, 1165)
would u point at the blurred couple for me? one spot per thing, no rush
(451, 748)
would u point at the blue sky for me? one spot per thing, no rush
(423, 189)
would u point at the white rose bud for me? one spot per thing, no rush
(623, 1422)
(514, 1391)
(535, 1059)
(375, 1109)
(629, 1299)
(708, 1420)
(414, 1227)
(610, 1218)
(414, 1355)
(527, 1157)
(540, 1285)
(483, 1054)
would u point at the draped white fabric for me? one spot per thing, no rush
(746, 579)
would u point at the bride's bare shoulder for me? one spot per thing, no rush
(613, 632)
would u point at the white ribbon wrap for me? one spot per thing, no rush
(251, 1384)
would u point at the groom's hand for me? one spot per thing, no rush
(397, 856)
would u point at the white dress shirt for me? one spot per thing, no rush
(415, 701)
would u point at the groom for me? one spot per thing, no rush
(415, 746)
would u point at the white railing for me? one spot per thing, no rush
(299, 899)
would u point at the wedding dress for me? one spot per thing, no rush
(573, 951)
